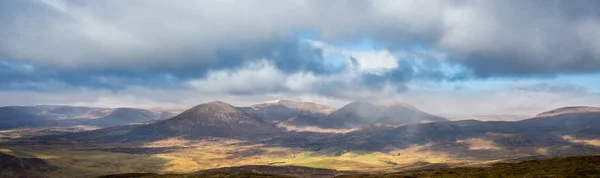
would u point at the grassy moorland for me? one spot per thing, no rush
(209, 175)
(182, 156)
(588, 166)
(187, 156)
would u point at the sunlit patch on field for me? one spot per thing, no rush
(479, 144)
(180, 155)
(312, 129)
(542, 151)
(591, 142)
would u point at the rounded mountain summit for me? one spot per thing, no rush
(209, 119)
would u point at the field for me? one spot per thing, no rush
(583, 166)
(588, 166)
(181, 156)
(185, 156)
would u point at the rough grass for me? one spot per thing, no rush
(208, 175)
(7, 151)
(196, 155)
(592, 142)
(4, 138)
(558, 167)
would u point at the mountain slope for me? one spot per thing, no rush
(209, 119)
(21, 116)
(569, 110)
(125, 116)
(281, 110)
(358, 114)
(549, 131)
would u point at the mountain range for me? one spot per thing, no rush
(377, 128)
(385, 132)
(219, 119)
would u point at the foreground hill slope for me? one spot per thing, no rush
(588, 166)
(12, 166)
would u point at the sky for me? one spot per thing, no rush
(447, 57)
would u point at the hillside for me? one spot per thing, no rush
(20, 116)
(569, 110)
(209, 119)
(358, 114)
(11, 166)
(538, 132)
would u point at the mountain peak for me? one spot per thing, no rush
(213, 119)
(360, 113)
(221, 103)
(569, 110)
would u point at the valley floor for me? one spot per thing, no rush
(186, 156)
(585, 166)
(180, 156)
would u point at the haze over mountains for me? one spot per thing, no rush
(353, 115)
(47, 115)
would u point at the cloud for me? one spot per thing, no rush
(247, 49)
(261, 77)
(507, 38)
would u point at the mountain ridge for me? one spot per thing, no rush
(209, 119)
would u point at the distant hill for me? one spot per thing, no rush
(545, 131)
(125, 116)
(48, 115)
(569, 110)
(358, 114)
(209, 119)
